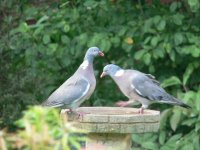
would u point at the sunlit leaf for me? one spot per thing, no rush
(175, 119)
(154, 41)
(171, 81)
(150, 145)
(46, 39)
(187, 73)
(139, 54)
(161, 25)
(162, 137)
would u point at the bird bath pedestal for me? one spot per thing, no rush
(110, 128)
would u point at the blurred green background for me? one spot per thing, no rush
(43, 42)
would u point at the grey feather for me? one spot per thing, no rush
(153, 79)
(68, 93)
(139, 86)
(152, 91)
(79, 87)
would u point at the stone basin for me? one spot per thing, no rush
(111, 127)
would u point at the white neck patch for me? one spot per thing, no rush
(119, 73)
(85, 64)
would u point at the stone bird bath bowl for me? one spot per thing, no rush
(110, 128)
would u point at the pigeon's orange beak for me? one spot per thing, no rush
(101, 53)
(103, 74)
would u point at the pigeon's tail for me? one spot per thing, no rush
(183, 104)
(179, 103)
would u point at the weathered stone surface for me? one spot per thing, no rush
(110, 128)
(115, 120)
(108, 142)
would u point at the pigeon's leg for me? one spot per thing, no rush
(124, 103)
(80, 114)
(142, 108)
(73, 112)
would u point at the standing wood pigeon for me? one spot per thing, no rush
(140, 86)
(79, 87)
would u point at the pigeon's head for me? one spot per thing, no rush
(93, 52)
(111, 70)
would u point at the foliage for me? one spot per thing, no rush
(42, 129)
(44, 43)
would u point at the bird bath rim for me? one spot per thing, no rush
(115, 111)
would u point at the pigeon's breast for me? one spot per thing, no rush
(124, 86)
(89, 75)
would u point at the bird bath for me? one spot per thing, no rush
(110, 128)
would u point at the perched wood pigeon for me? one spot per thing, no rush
(78, 87)
(140, 86)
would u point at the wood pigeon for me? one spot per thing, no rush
(79, 87)
(140, 86)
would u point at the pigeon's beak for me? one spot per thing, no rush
(103, 74)
(101, 53)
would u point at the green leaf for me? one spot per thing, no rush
(52, 48)
(150, 145)
(172, 55)
(193, 50)
(46, 39)
(115, 40)
(197, 127)
(164, 117)
(66, 28)
(105, 45)
(192, 2)
(154, 41)
(189, 122)
(188, 146)
(44, 18)
(137, 138)
(161, 25)
(194, 5)
(158, 52)
(188, 72)
(173, 6)
(90, 4)
(147, 58)
(139, 54)
(156, 19)
(175, 119)
(196, 143)
(162, 137)
(65, 39)
(166, 147)
(174, 138)
(147, 25)
(147, 39)
(177, 18)
(168, 47)
(171, 81)
(122, 31)
(178, 38)
(83, 38)
(197, 101)
(23, 27)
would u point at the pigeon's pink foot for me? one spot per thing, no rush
(122, 103)
(80, 114)
(141, 110)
